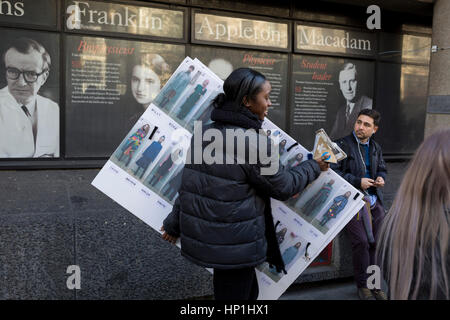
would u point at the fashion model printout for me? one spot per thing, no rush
(144, 174)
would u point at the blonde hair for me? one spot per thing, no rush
(414, 237)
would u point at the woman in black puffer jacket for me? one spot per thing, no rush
(223, 214)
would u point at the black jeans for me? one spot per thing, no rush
(235, 284)
(364, 252)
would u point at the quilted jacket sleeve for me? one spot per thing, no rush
(286, 182)
(172, 222)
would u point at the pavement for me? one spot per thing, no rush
(340, 289)
(336, 289)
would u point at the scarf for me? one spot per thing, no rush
(244, 118)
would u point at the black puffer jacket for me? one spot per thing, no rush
(223, 214)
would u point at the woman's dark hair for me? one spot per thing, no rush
(242, 82)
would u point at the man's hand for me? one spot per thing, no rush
(322, 164)
(168, 237)
(379, 182)
(366, 183)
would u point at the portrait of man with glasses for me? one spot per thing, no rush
(29, 122)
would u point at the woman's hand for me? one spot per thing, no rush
(168, 237)
(322, 164)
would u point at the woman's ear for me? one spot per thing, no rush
(245, 101)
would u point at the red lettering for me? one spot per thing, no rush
(82, 43)
(321, 77)
(313, 65)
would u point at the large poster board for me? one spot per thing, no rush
(110, 83)
(274, 66)
(143, 175)
(322, 88)
(307, 222)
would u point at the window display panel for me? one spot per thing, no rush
(242, 32)
(402, 102)
(328, 93)
(110, 83)
(24, 12)
(124, 18)
(332, 40)
(272, 65)
(406, 48)
(29, 94)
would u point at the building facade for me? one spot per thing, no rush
(51, 217)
